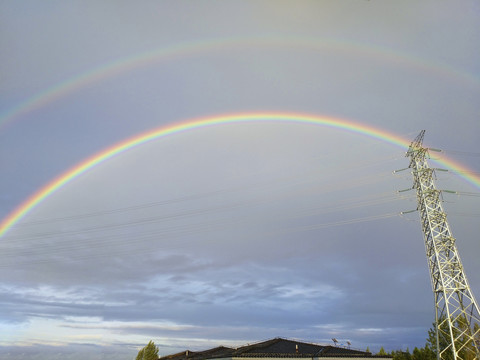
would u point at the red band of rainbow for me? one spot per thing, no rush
(347, 125)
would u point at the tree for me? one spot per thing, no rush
(402, 355)
(425, 353)
(467, 352)
(382, 351)
(149, 352)
(429, 352)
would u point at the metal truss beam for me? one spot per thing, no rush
(457, 316)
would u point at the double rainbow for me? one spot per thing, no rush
(129, 63)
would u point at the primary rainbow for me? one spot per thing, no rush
(197, 123)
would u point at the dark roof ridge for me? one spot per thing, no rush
(256, 345)
(279, 338)
(272, 348)
(280, 345)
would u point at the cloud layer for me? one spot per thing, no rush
(239, 233)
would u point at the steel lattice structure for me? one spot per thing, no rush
(457, 317)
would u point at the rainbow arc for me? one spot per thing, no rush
(345, 125)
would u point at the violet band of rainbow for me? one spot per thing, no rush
(177, 51)
(347, 125)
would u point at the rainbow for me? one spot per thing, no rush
(192, 124)
(147, 58)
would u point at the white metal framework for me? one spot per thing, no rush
(457, 317)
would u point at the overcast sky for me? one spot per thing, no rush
(232, 233)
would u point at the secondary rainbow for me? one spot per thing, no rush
(188, 49)
(192, 124)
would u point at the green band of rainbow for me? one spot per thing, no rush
(157, 133)
(207, 46)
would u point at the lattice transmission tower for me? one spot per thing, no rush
(457, 317)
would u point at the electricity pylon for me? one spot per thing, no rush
(457, 318)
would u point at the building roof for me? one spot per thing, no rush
(274, 348)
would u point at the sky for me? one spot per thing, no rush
(236, 232)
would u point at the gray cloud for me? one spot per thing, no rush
(234, 233)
